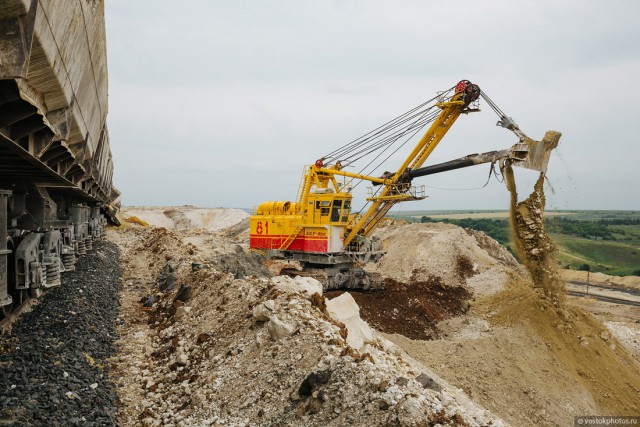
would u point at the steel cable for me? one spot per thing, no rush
(375, 134)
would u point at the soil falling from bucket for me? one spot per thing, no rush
(533, 246)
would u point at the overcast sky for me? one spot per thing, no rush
(217, 103)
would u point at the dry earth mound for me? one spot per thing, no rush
(411, 309)
(417, 252)
(186, 217)
(215, 349)
(632, 282)
(517, 351)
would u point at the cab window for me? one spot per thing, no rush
(335, 211)
(324, 206)
(345, 210)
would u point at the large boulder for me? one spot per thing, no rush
(344, 309)
(299, 284)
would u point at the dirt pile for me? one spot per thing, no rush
(136, 220)
(631, 282)
(533, 245)
(456, 257)
(186, 217)
(579, 343)
(518, 351)
(627, 334)
(258, 351)
(238, 232)
(240, 263)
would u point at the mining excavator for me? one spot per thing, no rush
(321, 232)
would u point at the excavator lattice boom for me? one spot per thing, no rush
(319, 230)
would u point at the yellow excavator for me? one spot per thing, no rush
(329, 240)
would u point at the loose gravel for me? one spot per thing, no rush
(53, 369)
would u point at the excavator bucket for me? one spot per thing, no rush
(535, 154)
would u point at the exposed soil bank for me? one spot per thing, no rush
(411, 309)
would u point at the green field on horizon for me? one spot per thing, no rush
(600, 240)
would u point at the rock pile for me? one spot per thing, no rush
(187, 217)
(240, 263)
(247, 349)
(517, 350)
(53, 368)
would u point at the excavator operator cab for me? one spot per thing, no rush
(332, 208)
(340, 210)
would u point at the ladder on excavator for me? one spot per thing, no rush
(285, 245)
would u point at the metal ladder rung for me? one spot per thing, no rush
(291, 238)
(303, 183)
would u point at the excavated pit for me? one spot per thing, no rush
(412, 309)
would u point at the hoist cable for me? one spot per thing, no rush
(390, 123)
(417, 126)
(336, 154)
(492, 104)
(419, 123)
(418, 129)
(342, 155)
(357, 140)
(383, 128)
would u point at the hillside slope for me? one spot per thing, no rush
(530, 359)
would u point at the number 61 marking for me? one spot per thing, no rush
(259, 227)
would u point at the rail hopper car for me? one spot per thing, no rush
(56, 166)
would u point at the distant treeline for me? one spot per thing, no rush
(611, 245)
(499, 228)
(496, 228)
(620, 221)
(585, 229)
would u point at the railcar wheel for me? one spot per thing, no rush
(35, 292)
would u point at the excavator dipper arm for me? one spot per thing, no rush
(529, 154)
(463, 162)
